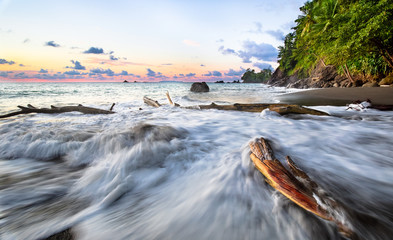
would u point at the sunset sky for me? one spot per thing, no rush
(149, 40)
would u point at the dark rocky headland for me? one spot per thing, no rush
(326, 77)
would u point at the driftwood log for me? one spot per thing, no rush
(297, 186)
(151, 102)
(53, 109)
(282, 109)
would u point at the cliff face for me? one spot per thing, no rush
(321, 77)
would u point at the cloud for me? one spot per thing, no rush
(213, 73)
(167, 64)
(3, 74)
(26, 40)
(220, 40)
(99, 71)
(77, 65)
(73, 73)
(21, 75)
(262, 51)
(153, 74)
(21, 65)
(263, 66)
(94, 50)
(203, 65)
(150, 73)
(125, 73)
(51, 44)
(278, 34)
(233, 73)
(120, 63)
(3, 61)
(43, 71)
(3, 30)
(191, 43)
(57, 76)
(113, 58)
(258, 29)
(190, 75)
(226, 51)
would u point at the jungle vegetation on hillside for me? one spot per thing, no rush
(356, 36)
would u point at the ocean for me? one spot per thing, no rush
(175, 173)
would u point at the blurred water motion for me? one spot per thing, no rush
(174, 173)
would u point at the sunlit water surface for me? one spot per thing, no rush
(173, 173)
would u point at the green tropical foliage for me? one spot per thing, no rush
(250, 76)
(354, 35)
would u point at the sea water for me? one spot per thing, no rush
(175, 173)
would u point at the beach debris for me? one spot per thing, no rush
(113, 104)
(52, 110)
(170, 100)
(151, 102)
(282, 109)
(298, 187)
(359, 106)
(199, 87)
(363, 105)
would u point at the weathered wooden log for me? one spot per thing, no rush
(110, 109)
(282, 109)
(170, 100)
(297, 186)
(53, 110)
(151, 102)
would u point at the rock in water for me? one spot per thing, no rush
(199, 87)
(64, 235)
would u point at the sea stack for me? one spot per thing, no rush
(199, 87)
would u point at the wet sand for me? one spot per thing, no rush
(339, 96)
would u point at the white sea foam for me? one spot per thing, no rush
(172, 173)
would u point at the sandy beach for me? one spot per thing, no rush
(339, 96)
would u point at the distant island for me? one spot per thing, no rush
(234, 81)
(170, 81)
(250, 76)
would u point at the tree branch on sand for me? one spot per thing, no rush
(53, 110)
(253, 107)
(297, 186)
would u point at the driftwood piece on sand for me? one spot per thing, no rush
(282, 109)
(53, 110)
(297, 186)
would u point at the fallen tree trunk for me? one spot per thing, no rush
(297, 186)
(53, 109)
(282, 109)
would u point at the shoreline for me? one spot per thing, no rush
(338, 96)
